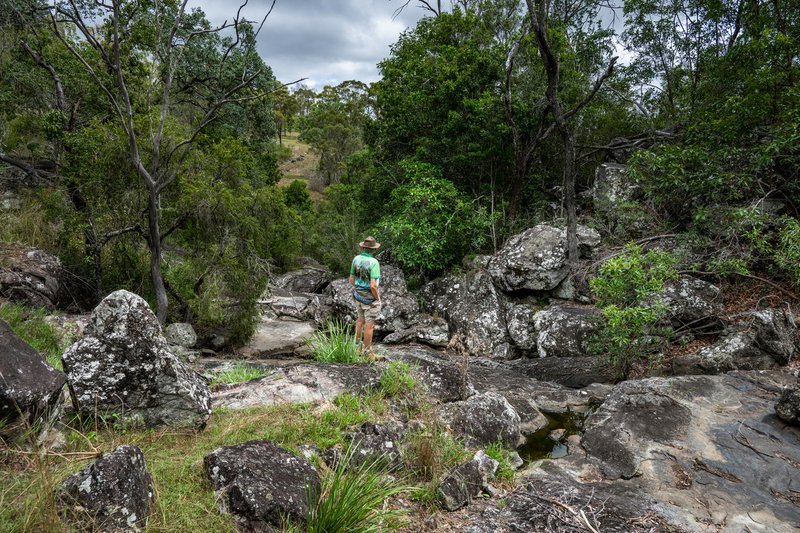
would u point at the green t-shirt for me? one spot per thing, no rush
(365, 268)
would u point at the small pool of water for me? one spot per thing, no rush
(542, 445)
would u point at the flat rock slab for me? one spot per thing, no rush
(443, 376)
(297, 384)
(278, 336)
(709, 451)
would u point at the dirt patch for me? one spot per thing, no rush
(300, 165)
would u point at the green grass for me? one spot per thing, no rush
(184, 498)
(238, 373)
(335, 344)
(498, 452)
(396, 379)
(29, 324)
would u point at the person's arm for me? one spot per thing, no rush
(373, 286)
(352, 280)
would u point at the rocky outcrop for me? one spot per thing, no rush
(458, 487)
(444, 378)
(429, 330)
(312, 277)
(282, 304)
(278, 337)
(522, 327)
(124, 366)
(399, 307)
(30, 389)
(261, 484)
(763, 341)
(574, 372)
(474, 311)
(180, 334)
(29, 276)
(483, 419)
(536, 259)
(114, 493)
(612, 188)
(702, 446)
(564, 331)
(376, 443)
(693, 303)
(299, 383)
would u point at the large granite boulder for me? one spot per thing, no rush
(114, 493)
(123, 366)
(181, 334)
(536, 259)
(261, 484)
(273, 337)
(29, 275)
(574, 372)
(399, 308)
(483, 419)
(693, 303)
(522, 327)
(564, 331)
(282, 304)
(445, 378)
(30, 389)
(474, 311)
(459, 486)
(311, 277)
(763, 341)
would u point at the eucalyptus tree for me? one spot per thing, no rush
(155, 61)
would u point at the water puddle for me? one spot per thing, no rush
(550, 442)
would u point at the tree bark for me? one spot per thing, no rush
(154, 236)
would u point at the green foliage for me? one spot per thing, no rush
(30, 325)
(431, 452)
(342, 225)
(498, 452)
(624, 290)
(335, 344)
(238, 373)
(297, 196)
(396, 379)
(352, 498)
(786, 253)
(432, 225)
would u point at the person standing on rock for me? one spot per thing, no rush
(365, 276)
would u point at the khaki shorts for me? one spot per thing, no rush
(369, 313)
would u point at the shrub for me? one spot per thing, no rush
(498, 452)
(623, 290)
(335, 344)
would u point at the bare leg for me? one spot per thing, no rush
(368, 335)
(359, 327)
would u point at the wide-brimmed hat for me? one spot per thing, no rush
(369, 242)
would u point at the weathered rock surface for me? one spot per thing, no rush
(788, 405)
(763, 341)
(297, 384)
(693, 303)
(612, 187)
(473, 309)
(574, 372)
(703, 450)
(312, 277)
(399, 308)
(522, 327)
(181, 334)
(282, 304)
(278, 337)
(461, 485)
(261, 484)
(565, 330)
(30, 389)
(536, 259)
(29, 275)
(114, 493)
(429, 330)
(376, 443)
(483, 419)
(442, 376)
(123, 365)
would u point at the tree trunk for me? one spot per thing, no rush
(154, 236)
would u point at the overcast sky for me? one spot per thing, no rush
(326, 41)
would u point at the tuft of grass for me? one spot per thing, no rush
(352, 499)
(498, 452)
(335, 344)
(30, 325)
(238, 373)
(396, 379)
(432, 452)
